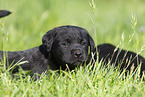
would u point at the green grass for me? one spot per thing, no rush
(30, 20)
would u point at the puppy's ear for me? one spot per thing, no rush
(47, 40)
(4, 13)
(92, 50)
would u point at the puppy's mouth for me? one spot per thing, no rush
(74, 64)
(77, 63)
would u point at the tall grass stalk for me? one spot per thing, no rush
(92, 17)
(4, 42)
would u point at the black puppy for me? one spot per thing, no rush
(125, 59)
(4, 13)
(61, 46)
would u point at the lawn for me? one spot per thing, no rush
(119, 22)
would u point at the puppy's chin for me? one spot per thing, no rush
(77, 63)
(74, 65)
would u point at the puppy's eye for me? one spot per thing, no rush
(65, 43)
(83, 42)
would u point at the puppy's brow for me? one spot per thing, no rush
(67, 39)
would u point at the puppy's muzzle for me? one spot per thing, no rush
(77, 53)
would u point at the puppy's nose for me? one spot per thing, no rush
(77, 53)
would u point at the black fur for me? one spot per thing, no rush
(61, 46)
(125, 59)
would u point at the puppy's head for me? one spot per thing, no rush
(4, 13)
(68, 45)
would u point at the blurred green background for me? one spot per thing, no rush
(30, 20)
